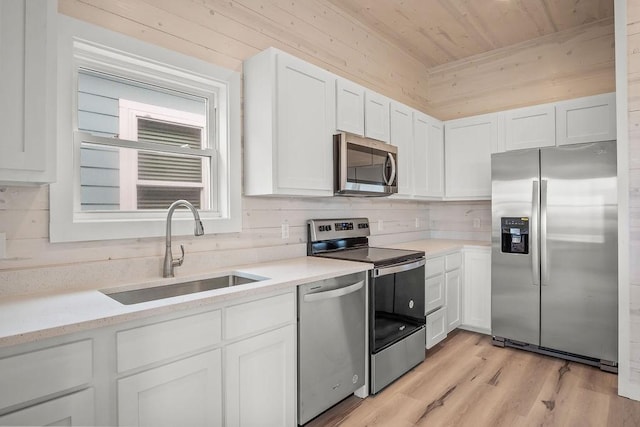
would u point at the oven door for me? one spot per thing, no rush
(396, 303)
(364, 166)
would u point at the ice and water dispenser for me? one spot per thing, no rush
(515, 235)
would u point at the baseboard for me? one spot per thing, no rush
(475, 329)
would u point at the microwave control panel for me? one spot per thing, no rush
(515, 235)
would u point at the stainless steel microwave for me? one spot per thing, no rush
(364, 167)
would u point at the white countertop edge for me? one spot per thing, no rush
(33, 317)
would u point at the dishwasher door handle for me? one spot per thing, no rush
(334, 293)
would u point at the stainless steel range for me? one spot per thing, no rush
(396, 294)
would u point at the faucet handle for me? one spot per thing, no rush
(178, 262)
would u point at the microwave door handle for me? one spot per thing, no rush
(392, 175)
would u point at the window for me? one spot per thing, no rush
(139, 128)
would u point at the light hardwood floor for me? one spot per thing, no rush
(466, 381)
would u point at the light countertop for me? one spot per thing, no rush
(45, 315)
(39, 316)
(436, 247)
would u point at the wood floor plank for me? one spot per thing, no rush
(466, 381)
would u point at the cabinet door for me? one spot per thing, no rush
(306, 122)
(376, 116)
(589, 119)
(435, 159)
(477, 290)
(434, 293)
(420, 154)
(349, 107)
(530, 127)
(436, 327)
(76, 409)
(183, 393)
(260, 380)
(28, 87)
(402, 137)
(454, 303)
(468, 146)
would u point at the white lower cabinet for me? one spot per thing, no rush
(76, 409)
(453, 286)
(187, 392)
(260, 380)
(436, 327)
(477, 290)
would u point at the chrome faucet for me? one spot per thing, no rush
(169, 262)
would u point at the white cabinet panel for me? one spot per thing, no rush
(469, 143)
(453, 261)
(589, 119)
(28, 49)
(183, 393)
(453, 286)
(43, 372)
(434, 293)
(255, 316)
(376, 119)
(428, 156)
(349, 107)
(530, 127)
(477, 290)
(305, 123)
(153, 343)
(436, 327)
(435, 159)
(289, 124)
(77, 409)
(260, 380)
(434, 266)
(402, 137)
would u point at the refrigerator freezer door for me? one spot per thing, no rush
(515, 291)
(579, 295)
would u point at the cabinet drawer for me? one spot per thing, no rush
(436, 327)
(434, 293)
(255, 316)
(76, 409)
(453, 261)
(153, 343)
(434, 266)
(40, 373)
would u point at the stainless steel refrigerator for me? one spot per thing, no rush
(554, 253)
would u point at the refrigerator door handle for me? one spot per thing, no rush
(544, 270)
(535, 221)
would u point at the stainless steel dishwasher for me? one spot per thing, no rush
(331, 342)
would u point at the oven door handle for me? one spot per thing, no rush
(334, 293)
(397, 268)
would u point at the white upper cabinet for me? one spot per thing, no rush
(530, 127)
(589, 119)
(361, 111)
(28, 86)
(402, 137)
(428, 156)
(469, 143)
(376, 119)
(289, 124)
(349, 107)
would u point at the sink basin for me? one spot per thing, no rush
(136, 296)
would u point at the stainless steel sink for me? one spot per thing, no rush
(136, 296)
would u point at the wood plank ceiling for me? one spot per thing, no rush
(438, 32)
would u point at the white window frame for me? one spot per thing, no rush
(84, 45)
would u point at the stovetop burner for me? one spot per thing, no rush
(347, 239)
(376, 256)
